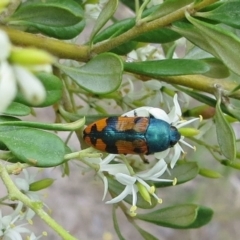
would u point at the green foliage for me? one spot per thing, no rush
(143, 58)
(101, 75)
(60, 19)
(180, 216)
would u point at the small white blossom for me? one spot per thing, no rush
(92, 11)
(5, 46)
(8, 227)
(24, 183)
(130, 182)
(148, 52)
(31, 87)
(8, 88)
(173, 118)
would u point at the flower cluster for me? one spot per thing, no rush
(138, 182)
(14, 225)
(16, 67)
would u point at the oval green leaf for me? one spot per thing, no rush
(61, 19)
(33, 146)
(101, 75)
(225, 135)
(106, 13)
(53, 86)
(17, 109)
(146, 235)
(219, 42)
(181, 216)
(184, 172)
(168, 67)
(228, 13)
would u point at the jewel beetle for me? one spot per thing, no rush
(131, 135)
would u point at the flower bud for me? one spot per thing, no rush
(205, 111)
(3, 4)
(209, 173)
(5, 45)
(30, 56)
(188, 132)
(144, 192)
(41, 184)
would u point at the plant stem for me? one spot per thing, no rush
(16, 194)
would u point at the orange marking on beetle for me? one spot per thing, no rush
(87, 139)
(125, 123)
(87, 130)
(100, 125)
(126, 147)
(100, 145)
(141, 125)
(129, 123)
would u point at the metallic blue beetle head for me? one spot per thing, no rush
(174, 136)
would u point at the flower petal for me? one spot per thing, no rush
(177, 153)
(8, 89)
(158, 169)
(30, 85)
(121, 196)
(163, 154)
(5, 45)
(176, 112)
(159, 114)
(125, 179)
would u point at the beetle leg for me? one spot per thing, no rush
(143, 158)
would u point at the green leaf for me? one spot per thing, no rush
(220, 43)
(106, 13)
(146, 235)
(116, 225)
(168, 67)
(181, 216)
(33, 146)
(116, 188)
(184, 172)
(163, 35)
(62, 19)
(207, 100)
(41, 184)
(225, 134)
(217, 68)
(101, 75)
(17, 109)
(167, 7)
(6, 119)
(209, 173)
(228, 13)
(204, 216)
(53, 86)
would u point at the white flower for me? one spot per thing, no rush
(92, 11)
(105, 166)
(8, 228)
(173, 118)
(31, 87)
(5, 46)
(8, 88)
(148, 52)
(131, 183)
(24, 183)
(33, 236)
